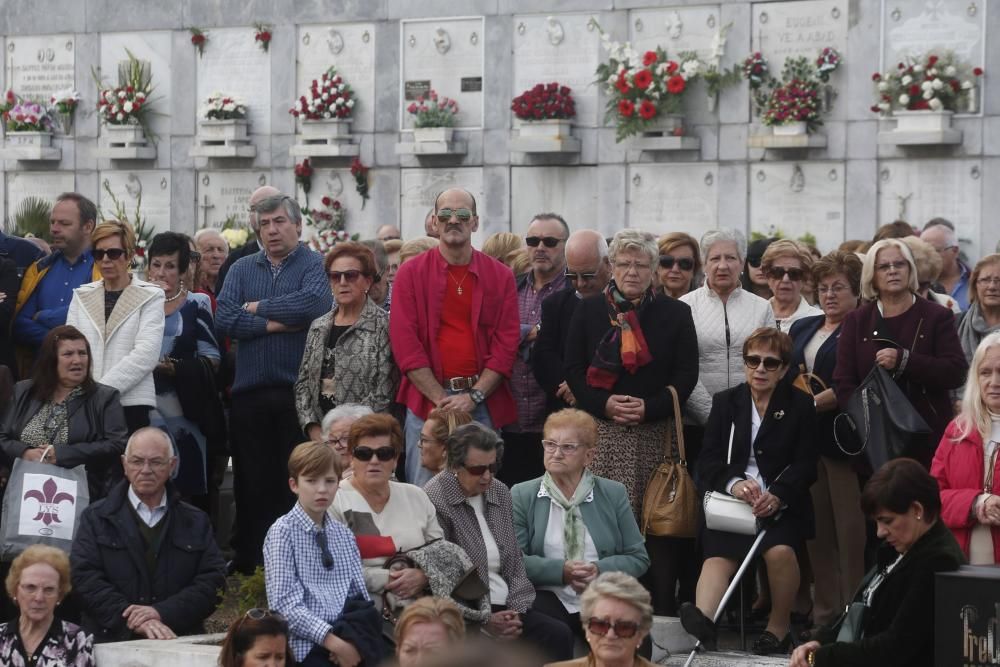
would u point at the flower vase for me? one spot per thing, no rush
(234, 129)
(972, 100)
(549, 128)
(423, 134)
(712, 102)
(923, 121)
(28, 139)
(826, 97)
(793, 129)
(666, 124)
(334, 129)
(125, 134)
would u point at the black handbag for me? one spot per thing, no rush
(880, 421)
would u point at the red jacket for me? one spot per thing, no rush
(958, 468)
(417, 295)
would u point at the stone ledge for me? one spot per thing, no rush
(193, 651)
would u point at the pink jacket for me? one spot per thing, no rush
(958, 468)
(417, 294)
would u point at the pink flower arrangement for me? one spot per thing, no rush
(433, 111)
(27, 116)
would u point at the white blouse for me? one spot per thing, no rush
(555, 547)
(498, 587)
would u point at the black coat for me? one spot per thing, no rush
(97, 433)
(110, 571)
(547, 353)
(785, 447)
(826, 360)
(899, 626)
(669, 331)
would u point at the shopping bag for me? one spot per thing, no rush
(42, 505)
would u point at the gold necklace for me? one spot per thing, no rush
(458, 284)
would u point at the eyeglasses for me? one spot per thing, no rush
(114, 254)
(259, 614)
(567, 449)
(463, 214)
(623, 629)
(580, 277)
(833, 289)
(626, 266)
(754, 261)
(779, 272)
(324, 549)
(366, 453)
(988, 281)
(339, 441)
(479, 471)
(770, 363)
(390, 238)
(891, 266)
(683, 263)
(424, 440)
(154, 464)
(32, 590)
(350, 276)
(549, 241)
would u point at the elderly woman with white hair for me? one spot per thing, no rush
(335, 428)
(625, 347)
(912, 338)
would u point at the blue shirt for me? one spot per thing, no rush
(961, 291)
(48, 304)
(310, 596)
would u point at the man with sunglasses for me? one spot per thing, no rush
(587, 273)
(454, 329)
(546, 239)
(48, 284)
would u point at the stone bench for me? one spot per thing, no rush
(193, 651)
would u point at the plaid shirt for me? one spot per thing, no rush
(276, 268)
(528, 394)
(309, 596)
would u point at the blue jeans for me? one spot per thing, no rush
(416, 473)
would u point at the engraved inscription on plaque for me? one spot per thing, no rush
(39, 66)
(787, 29)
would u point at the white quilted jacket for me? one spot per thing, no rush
(720, 361)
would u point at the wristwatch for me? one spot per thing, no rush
(477, 396)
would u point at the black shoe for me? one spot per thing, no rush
(768, 644)
(701, 627)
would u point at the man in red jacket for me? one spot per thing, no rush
(454, 329)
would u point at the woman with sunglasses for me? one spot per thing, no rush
(475, 510)
(617, 615)
(679, 264)
(258, 639)
(122, 318)
(760, 448)
(753, 278)
(387, 517)
(786, 265)
(910, 337)
(347, 357)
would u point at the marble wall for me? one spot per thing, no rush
(483, 52)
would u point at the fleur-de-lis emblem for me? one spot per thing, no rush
(779, 414)
(48, 501)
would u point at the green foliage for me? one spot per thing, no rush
(717, 79)
(808, 238)
(770, 234)
(144, 231)
(251, 591)
(31, 217)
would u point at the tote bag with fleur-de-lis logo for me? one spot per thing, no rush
(42, 505)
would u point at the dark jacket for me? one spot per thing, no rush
(899, 626)
(785, 447)
(10, 283)
(361, 625)
(802, 332)
(935, 362)
(547, 354)
(110, 571)
(669, 331)
(97, 433)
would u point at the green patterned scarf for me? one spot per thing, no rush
(573, 528)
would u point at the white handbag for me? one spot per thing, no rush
(725, 513)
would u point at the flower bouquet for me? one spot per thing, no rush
(360, 173)
(329, 98)
(26, 116)
(125, 109)
(262, 35)
(791, 104)
(433, 117)
(198, 40)
(303, 177)
(64, 103)
(222, 107)
(544, 110)
(235, 236)
(223, 118)
(929, 82)
(327, 225)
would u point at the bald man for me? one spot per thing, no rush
(954, 278)
(388, 233)
(587, 273)
(253, 244)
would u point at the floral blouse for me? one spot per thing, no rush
(65, 645)
(50, 425)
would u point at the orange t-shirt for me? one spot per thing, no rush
(456, 336)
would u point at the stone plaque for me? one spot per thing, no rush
(419, 187)
(225, 194)
(154, 47)
(559, 48)
(798, 198)
(40, 184)
(40, 66)
(801, 28)
(350, 47)
(918, 190)
(914, 28)
(444, 51)
(153, 186)
(675, 29)
(338, 184)
(673, 198)
(572, 193)
(234, 64)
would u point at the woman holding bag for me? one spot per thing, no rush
(759, 447)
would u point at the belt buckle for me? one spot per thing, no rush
(461, 383)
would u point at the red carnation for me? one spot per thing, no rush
(676, 85)
(335, 204)
(671, 67)
(914, 90)
(643, 78)
(978, 71)
(626, 108)
(875, 108)
(649, 58)
(326, 201)
(932, 60)
(622, 84)
(197, 39)
(647, 110)
(876, 77)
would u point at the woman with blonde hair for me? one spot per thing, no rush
(434, 434)
(427, 628)
(499, 246)
(414, 247)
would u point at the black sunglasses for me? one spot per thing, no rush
(114, 254)
(684, 263)
(754, 261)
(479, 471)
(463, 214)
(770, 363)
(580, 277)
(549, 241)
(350, 276)
(777, 273)
(324, 549)
(366, 453)
(623, 629)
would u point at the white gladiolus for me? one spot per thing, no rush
(904, 99)
(950, 70)
(325, 96)
(935, 104)
(341, 87)
(661, 68)
(906, 80)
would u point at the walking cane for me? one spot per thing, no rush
(732, 586)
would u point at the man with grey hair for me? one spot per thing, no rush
(954, 278)
(145, 564)
(587, 273)
(267, 303)
(388, 233)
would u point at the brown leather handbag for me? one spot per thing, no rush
(670, 504)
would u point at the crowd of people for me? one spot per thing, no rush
(434, 446)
